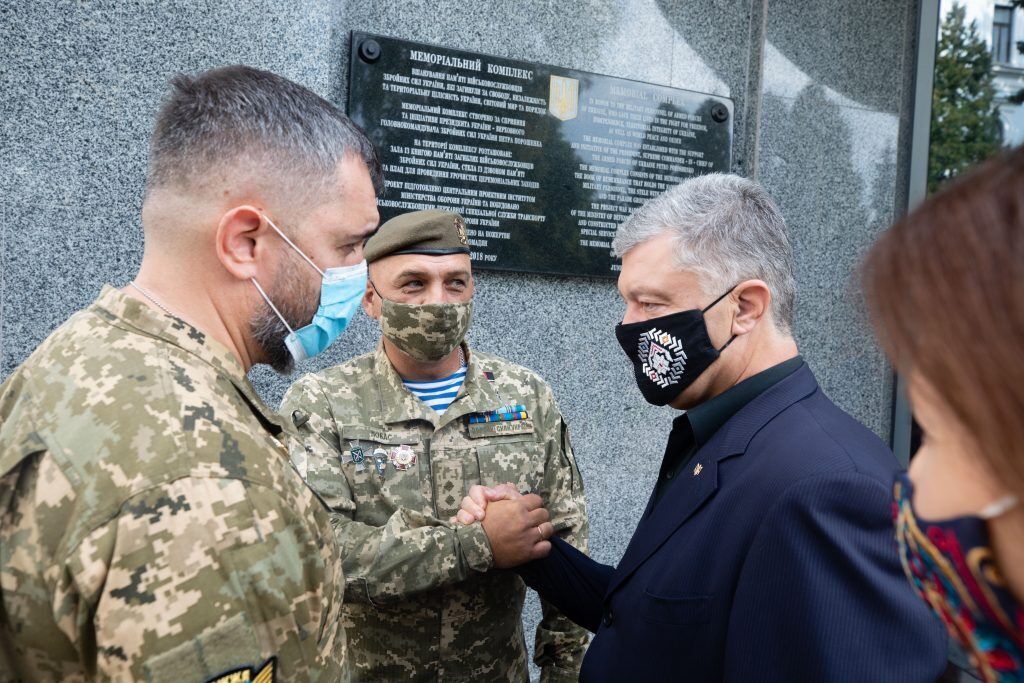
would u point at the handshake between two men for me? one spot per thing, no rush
(517, 525)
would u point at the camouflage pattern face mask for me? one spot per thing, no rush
(426, 332)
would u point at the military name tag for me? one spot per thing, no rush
(382, 436)
(483, 429)
(379, 436)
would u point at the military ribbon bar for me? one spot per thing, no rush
(503, 414)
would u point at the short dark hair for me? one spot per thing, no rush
(237, 113)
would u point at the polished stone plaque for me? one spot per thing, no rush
(543, 162)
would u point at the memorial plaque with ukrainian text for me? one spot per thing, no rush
(543, 162)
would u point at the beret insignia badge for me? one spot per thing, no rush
(460, 227)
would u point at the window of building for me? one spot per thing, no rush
(1002, 34)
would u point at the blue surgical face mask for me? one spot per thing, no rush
(341, 290)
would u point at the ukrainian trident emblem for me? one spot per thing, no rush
(564, 97)
(662, 357)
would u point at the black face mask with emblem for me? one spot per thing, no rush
(669, 353)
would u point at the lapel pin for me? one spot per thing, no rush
(697, 469)
(357, 456)
(380, 461)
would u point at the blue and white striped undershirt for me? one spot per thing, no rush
(438, 393)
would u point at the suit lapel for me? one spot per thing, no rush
(682, 499)
(698, 482)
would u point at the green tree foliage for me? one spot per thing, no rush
(965, 120)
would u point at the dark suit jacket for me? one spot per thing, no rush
(770, 557)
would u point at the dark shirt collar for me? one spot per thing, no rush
(708, 417)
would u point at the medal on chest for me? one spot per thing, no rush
(380, 461)
(356, 455)
(402, 457)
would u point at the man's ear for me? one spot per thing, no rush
(754, 300)
(368, 306)
(241, 240)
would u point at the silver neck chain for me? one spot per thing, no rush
(152, 298)
(462, 357)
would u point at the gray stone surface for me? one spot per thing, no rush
(857, 49)
(829, 154)
(820, 91)
(718, 44)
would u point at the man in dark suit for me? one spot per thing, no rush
(766, 552)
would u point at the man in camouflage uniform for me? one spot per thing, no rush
(152, 526)
(422, 600)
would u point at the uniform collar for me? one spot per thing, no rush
(477, 394)
(398, 404)
(135, 316)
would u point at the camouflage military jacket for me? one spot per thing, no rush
(420, 603)
(152, 526)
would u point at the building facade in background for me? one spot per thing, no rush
(1002, 26)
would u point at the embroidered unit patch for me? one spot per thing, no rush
(266, 674)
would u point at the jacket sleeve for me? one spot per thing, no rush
(408, 554)
(570, 581)
(194, 578)
(560, 643)
(822, 597)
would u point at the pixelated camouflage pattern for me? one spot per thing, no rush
(425, 332)
(152, 526)
(420, 603)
